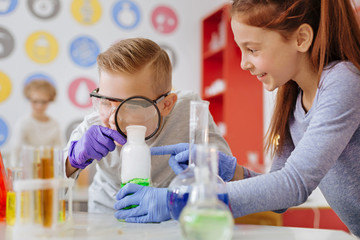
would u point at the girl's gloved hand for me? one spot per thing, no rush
(152, 203)
(179, 159)
(96, 143)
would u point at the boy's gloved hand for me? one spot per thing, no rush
(179, 158)
(152, 203)
(96, 143)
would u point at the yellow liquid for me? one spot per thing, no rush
(10, 208)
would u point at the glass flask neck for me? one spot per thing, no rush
(205, 171)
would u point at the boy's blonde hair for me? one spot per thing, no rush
(40, 85)
(132, 55)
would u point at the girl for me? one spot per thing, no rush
(310, 51)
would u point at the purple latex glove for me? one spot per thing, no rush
(180, 158)
(96, 143)
(152, 204)
(177, 165)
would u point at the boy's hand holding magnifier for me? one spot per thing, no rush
(96, 143)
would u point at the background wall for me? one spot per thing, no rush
(59, 39)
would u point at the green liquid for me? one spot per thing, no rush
(139, 181)
(206, 224)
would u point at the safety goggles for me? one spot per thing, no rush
(136, 110)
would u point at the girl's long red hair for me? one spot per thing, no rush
(336, 38)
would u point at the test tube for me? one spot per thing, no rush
(199, 126)
(38, 210)
(47, 166)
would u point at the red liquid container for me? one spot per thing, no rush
(2, 190)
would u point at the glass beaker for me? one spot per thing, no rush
(205, 216)
(180, 186)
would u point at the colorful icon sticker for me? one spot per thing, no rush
(7, 6)
(79, 92)
(171, 54)
(83, 51)
(38, 76)
(44, 9)
(6, 42)
(71, 127)
(5, 87)
(4, 132)
(41, 47)
(126, 14)
(164, 19)
(86, 12)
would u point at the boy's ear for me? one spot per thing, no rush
(167, 104)
(304, 37)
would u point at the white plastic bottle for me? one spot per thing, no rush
(135, 157)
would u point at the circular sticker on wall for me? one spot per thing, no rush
(71, 127)
(171, 54)
(164, 19)
(44, 9)
(79, 92)
(6, 43)
(126, 14)
(5, 87)
(41, 47)
(83, 51)
(4, 132)
(86, 12)
(38, 76)
(7, 6)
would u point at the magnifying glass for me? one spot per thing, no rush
(138, 110)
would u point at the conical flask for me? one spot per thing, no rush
(180, 186)
(205, 217)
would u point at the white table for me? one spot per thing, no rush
(106, 227)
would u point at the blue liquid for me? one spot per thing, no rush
(178, 201)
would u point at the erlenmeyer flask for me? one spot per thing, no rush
(180, 186)
(205, 216)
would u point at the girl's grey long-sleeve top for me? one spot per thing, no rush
(324, 151)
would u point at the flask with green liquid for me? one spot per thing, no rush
(135, 158)
(205, 217)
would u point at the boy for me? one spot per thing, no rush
(131, 67)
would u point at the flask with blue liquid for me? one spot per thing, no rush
(180, 187)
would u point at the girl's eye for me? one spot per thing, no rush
(251, 50)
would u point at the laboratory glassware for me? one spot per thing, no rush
(180, 186)
(135, 158)
(3, 190)
(205, 217)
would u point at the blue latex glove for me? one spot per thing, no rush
(180, 156)
(177, 163)
(96, 143)
(152, 203)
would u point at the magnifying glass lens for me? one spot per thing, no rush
(138, 111)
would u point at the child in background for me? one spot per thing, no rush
(37, 129)
(132, 67)
(310, 51)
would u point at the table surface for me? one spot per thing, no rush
(97, 226)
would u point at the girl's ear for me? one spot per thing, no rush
(304, 37)
(167, 104)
